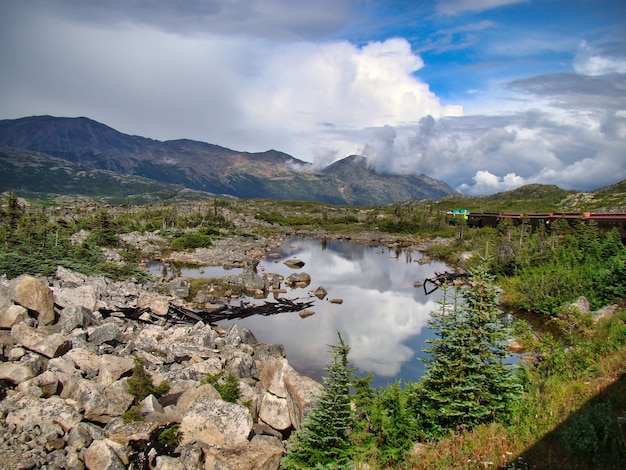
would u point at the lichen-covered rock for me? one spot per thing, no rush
(191, 396)
(100, 404)
(25, 411)
(275, 412)
(216, 422)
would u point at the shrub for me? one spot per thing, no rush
(140, 386)
(228, 387)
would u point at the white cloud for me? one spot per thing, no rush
(588, 61)
(488, 183)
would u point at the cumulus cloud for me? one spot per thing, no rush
(244, 93)
(253, 75)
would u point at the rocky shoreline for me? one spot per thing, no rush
(65, 374)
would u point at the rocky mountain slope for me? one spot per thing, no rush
(211, 168)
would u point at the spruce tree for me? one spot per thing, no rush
(466, 381)
(324, 440)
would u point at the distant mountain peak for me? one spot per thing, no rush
(212, 168)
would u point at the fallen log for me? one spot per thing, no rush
(177, 314)
(441, 279)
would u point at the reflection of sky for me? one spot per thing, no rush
(382, 318)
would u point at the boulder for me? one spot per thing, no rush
(275, 412)
(113, 367)
(294, 263)
(69, 278)
(306, 313)
(81, 296)
(76, 316)
(108, 332)
(320, 293)
(241, 365)
(15, 372)
(158, 304)
(192, 395)
(47, 383)
(150, 405)
(5, 298)
(262, 453)
(35, 295)
(86, 361)
(12, 315)
(298, 280)
(101, 456)
(124, 433)
(49, 345)
(100, 404)
(26, 411)
(216, 422)
(302, 395)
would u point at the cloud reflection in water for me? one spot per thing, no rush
(382, 318)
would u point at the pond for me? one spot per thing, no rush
(383, 317)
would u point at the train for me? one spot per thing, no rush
(604, 221)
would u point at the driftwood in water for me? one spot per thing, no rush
(443, 278)
(177, 314)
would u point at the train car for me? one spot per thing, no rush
(605, 222)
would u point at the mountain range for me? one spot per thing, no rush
(79, 156)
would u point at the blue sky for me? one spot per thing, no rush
(487, 95)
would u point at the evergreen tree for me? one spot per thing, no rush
(324, 440)
(466, 381)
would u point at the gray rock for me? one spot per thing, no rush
(150, 405)
(75, 316)
(302, 394)
(49, 345)
(123, 433)
(26, 411)
(241, 365)
(83, 360)
(82, 296)
(105, 333)
(192, 395)
(216, 422)
(69, 278)
(35, 295)
(100, 404)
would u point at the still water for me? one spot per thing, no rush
(383, 317)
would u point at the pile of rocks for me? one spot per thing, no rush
(65, 393)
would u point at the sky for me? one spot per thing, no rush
(486, 95)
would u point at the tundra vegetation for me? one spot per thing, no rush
(559, 408)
